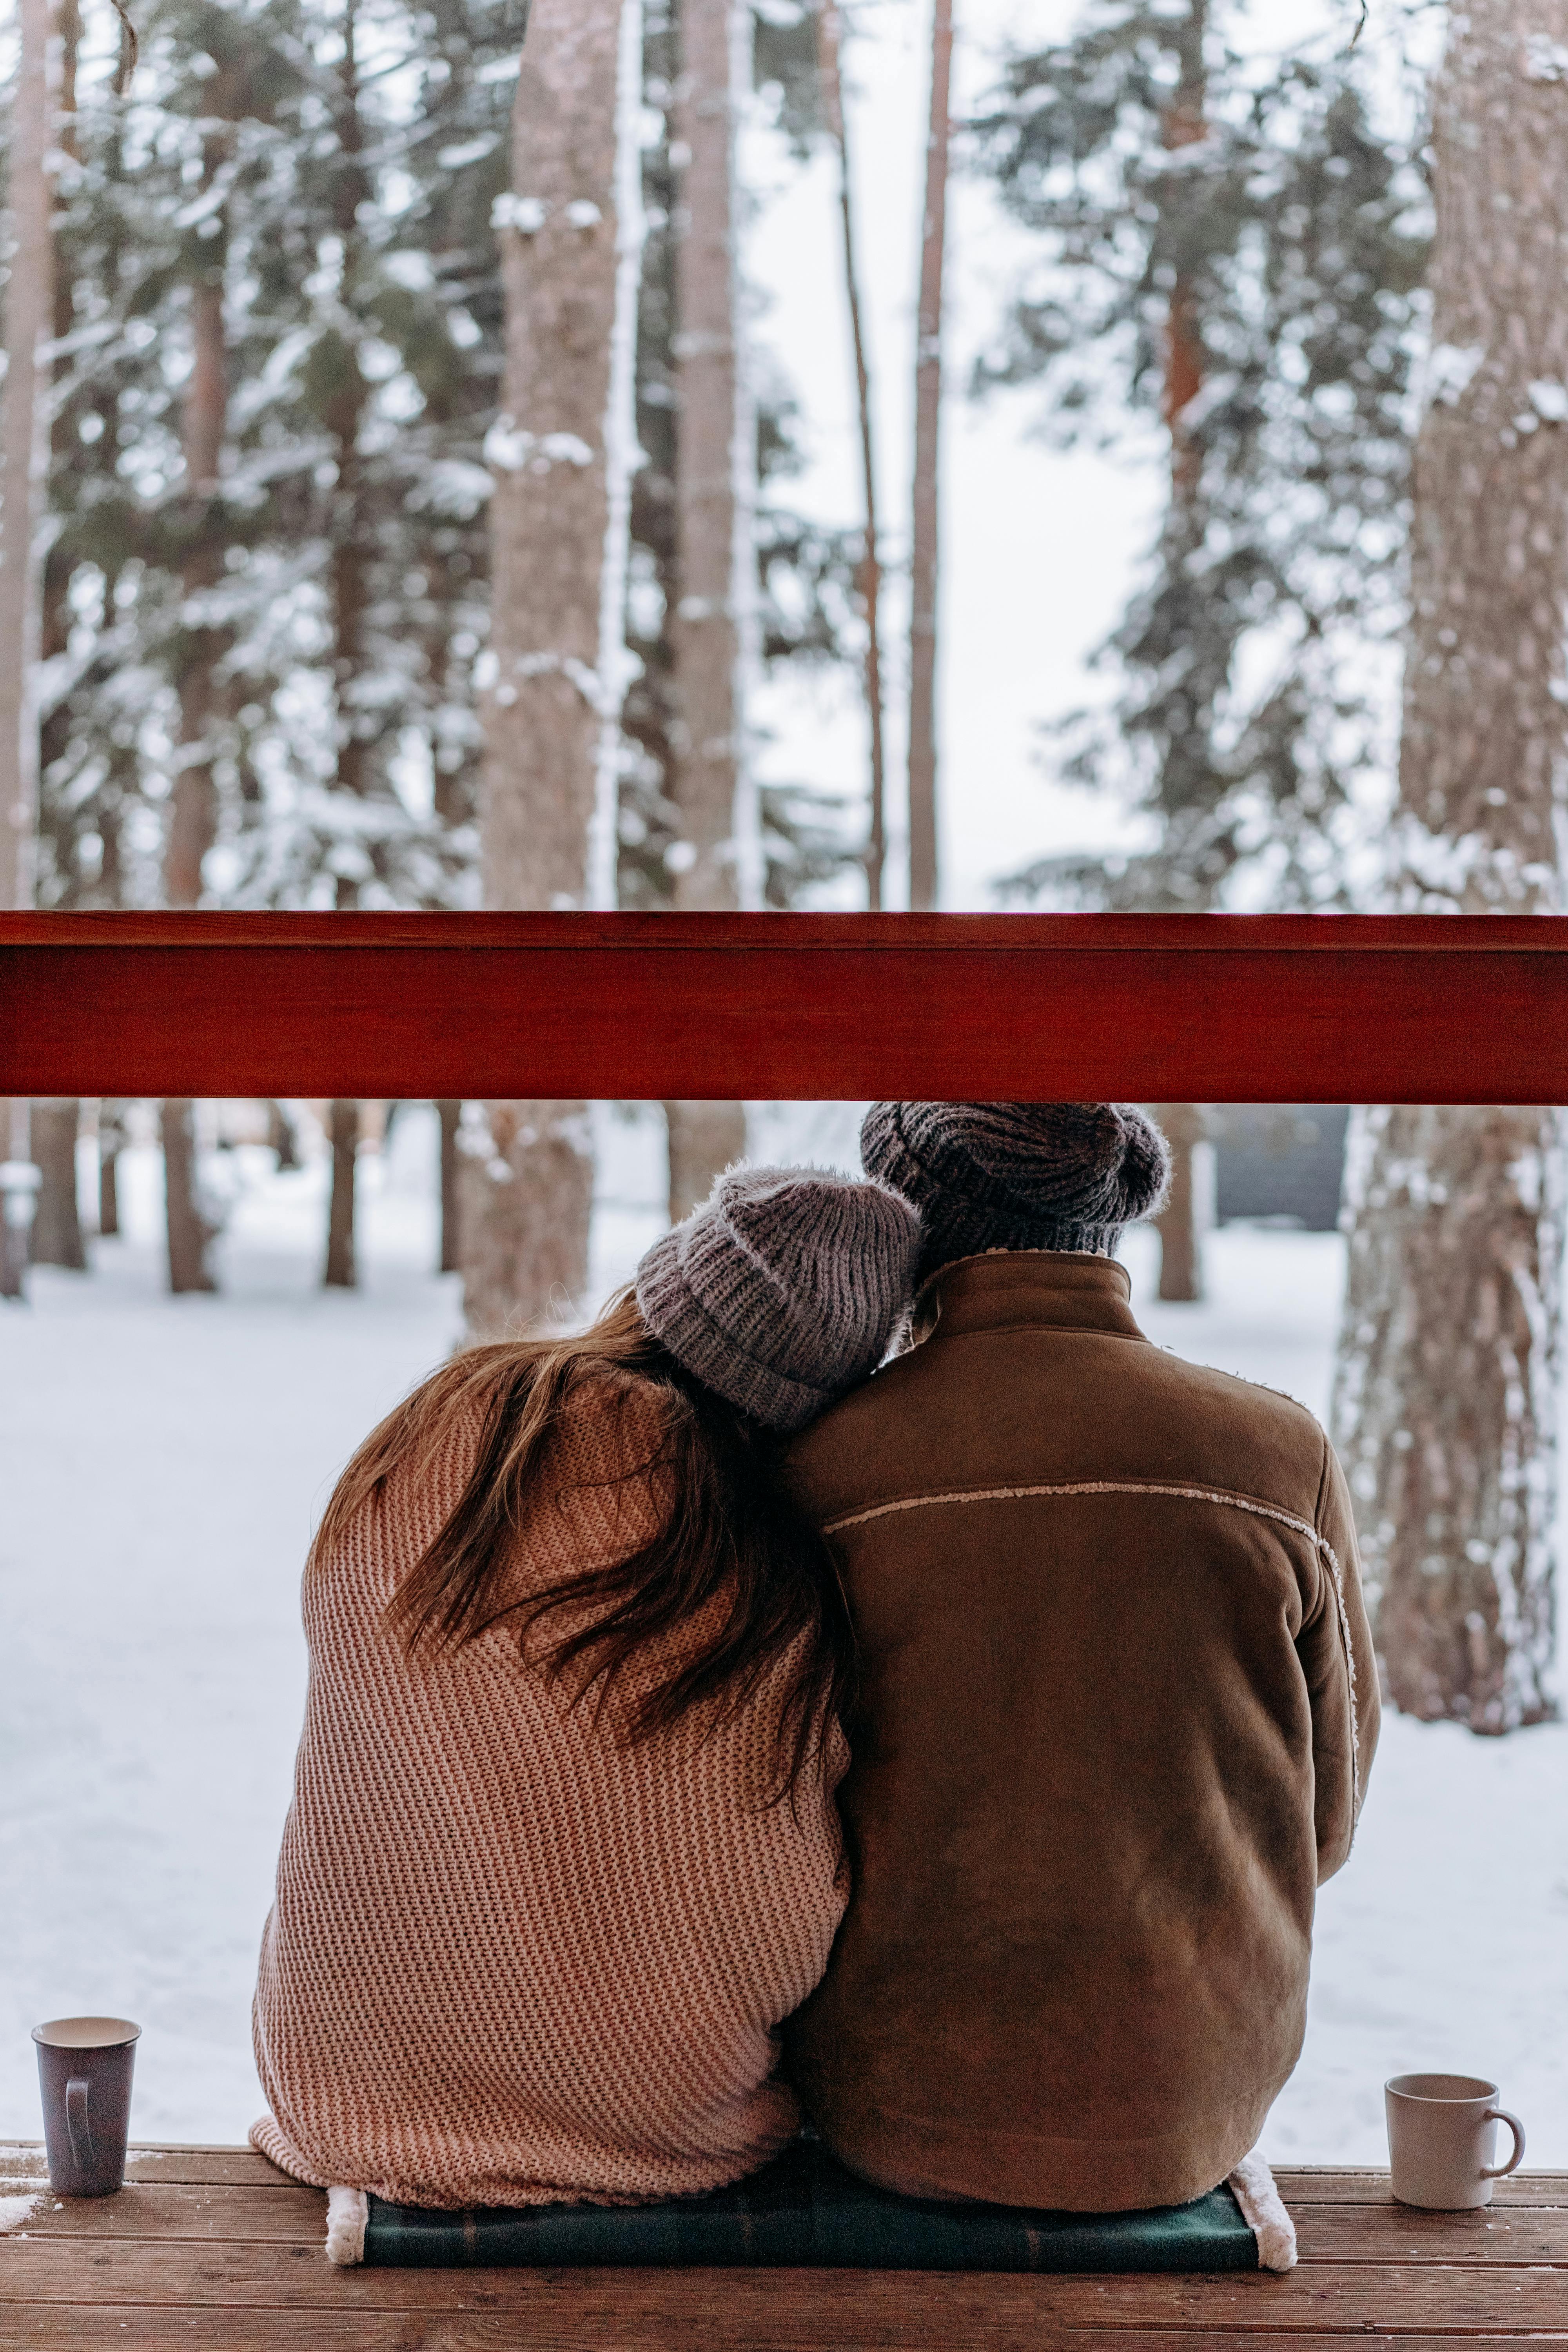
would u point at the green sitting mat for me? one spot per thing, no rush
(805, 2211)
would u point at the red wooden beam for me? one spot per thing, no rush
(1209, 1008)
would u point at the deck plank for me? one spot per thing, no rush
(217, 2249)
(1308, 2184)
(24, 2159)
(44, 2327)
(1315, 2184)
(1385, 2234)
(182, 2211)
(803, 2308)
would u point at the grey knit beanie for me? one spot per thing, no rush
(782, 1290)
(1021, 1176)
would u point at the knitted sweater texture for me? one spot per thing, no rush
(512, 1959)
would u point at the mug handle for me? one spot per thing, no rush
(1499, 2171)
(77, 2124)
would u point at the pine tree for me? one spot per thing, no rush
(1275, 262)
(1447, 1395)
(1228, 245)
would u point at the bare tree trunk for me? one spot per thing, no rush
(1181, 1240)
(24, 456)
(924, 545)
(1446, 1388)
(54, 721)
(282, 1138)
(111, 1141)
(526, 1181)
(1178, 1225)
(189, 1231)
(57, 1226)
(829, 32)
(344, 415)
(450, 1116)
(192, 801)
(530, 1261)
(342, 1127)
(192, 808)
(706, 1137)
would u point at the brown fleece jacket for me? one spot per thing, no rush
(1118, 1709)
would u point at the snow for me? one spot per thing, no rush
(164, 1462)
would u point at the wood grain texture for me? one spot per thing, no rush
(1381, 2233)
(53, 2328)
(233, 2258)
(1310, 2184)
(1326, 2184)
(176, 2213)
(165, 2163)
(805, 2308)
(1153, 1008)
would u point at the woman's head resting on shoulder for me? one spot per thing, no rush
(750, 1317)
(782, 1290)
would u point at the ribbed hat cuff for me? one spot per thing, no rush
(944, 1244)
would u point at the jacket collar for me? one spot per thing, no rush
(1006, 1288)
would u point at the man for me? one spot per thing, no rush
(1118, 1701)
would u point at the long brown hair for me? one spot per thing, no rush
(729, 1528)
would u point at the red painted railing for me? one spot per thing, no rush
(1211, 1008)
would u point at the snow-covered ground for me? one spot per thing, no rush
(163, 1461)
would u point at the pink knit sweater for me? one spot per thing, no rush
(511, 1962)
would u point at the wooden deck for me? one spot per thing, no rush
(213, 2247)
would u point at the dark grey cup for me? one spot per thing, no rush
(84, 2075)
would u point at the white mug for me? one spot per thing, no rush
(1442, 2137)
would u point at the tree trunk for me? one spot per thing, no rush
(189, 1231)
(829, 32)
(24, 453)
(1447, 1386)
(1181, 1241)
(525, 1186)
(705, 1137)
(450, 1114)
(193, 813)
(193, 819)
(54, 616)
(111, 1141)
(703, 631)
(281, 1138)
(1178, 1225)
(342, 1127)
(343, 415)
(923, 543)
(618, 666)
(55, 1237)
(523, 1213)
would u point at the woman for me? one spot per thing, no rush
(563, 1850)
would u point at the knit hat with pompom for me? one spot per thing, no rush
(1019, 1176)
(783, 1289)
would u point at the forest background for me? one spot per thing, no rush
(310, 550)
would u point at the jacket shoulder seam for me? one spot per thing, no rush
(1184, 1490)
(1179, 1491)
